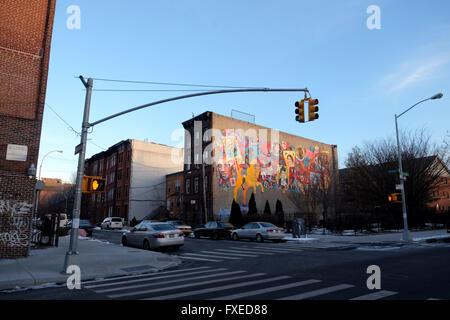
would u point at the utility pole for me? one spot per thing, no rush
(69, 259)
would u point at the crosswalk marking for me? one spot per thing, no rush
(208, 290)
(167, 281)
(208, 256)
(186, 285)
(144, 275)
(318, 292)
(246, 250)
(376, 295)
(279, 250)
(223, 254)
(198, 259)
(238, 253)
(155, 276)
(266, 290)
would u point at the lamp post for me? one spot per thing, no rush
(42, 161)
(406, 235)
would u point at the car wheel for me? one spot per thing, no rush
(215, 236)
(259, 238)
(197, 235)
(235, 237)
(146, 245)
(124, 241)
(107, 227)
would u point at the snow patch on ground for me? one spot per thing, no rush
(377, 248)
(299, 239)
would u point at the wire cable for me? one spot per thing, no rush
(173, 83)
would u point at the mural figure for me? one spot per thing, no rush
(248, 177)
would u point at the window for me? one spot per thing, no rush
(119, 174)
(128, 172)
(188, 186)
(126, 191)
(120, 158)
(129, 155)
(119, 192)
(177, 186)
(196, 185)
(178, 202)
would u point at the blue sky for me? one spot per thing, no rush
(361, 77)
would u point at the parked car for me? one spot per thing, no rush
(259, 231)
(112, 223)
(214, 230)
(187, 230)
(87, 226)
(152, 235)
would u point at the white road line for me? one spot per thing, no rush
(198, 259)
(222, 255)
(166, 282)
(376, 295)
(246, 250)
(143, 275)
(221, 288)
(316, 293)
(276, 250)
(186, 285)
(207, 256)
(152, 278)
(266, 290)
(238, 253)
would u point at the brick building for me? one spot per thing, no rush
(242, 158)
(25, 37)
(174, 194)
(135, 173)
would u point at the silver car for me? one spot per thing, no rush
(259, 231)
(152, 235)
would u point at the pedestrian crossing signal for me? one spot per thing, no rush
(93, 184)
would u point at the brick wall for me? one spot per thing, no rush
(25, 36)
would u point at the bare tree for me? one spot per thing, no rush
(372, 174)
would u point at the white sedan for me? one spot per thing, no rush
(259, 231)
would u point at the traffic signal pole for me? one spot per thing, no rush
(69, 259)
(81, 148)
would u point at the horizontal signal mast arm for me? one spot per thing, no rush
(191, 96)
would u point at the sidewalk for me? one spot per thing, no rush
(97, 259)
(395, 237)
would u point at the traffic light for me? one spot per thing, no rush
(93, 184)
(313, 109)
(395, 198)
(300, 110)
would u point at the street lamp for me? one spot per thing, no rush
(42, 161)
(406, 235)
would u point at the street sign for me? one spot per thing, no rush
(393, 171)
(398, 187)
(78, 148)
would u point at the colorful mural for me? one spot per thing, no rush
(245, 163)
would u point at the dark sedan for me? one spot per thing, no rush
(86, 225)
(214, 230)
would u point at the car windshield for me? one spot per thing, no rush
(163, 227)
(225, 225)
(116, 220)
(176, 223)
(267, 225)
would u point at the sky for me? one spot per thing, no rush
(361, 76)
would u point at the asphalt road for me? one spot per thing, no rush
(228, 270)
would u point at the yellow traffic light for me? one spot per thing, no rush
(313, 109)
(300, 110)
(395, 198)
(93, 184)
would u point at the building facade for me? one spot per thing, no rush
(135, 173)
(241, 158)
(174, 194)
(25, 37)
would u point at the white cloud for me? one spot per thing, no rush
(414, 72)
